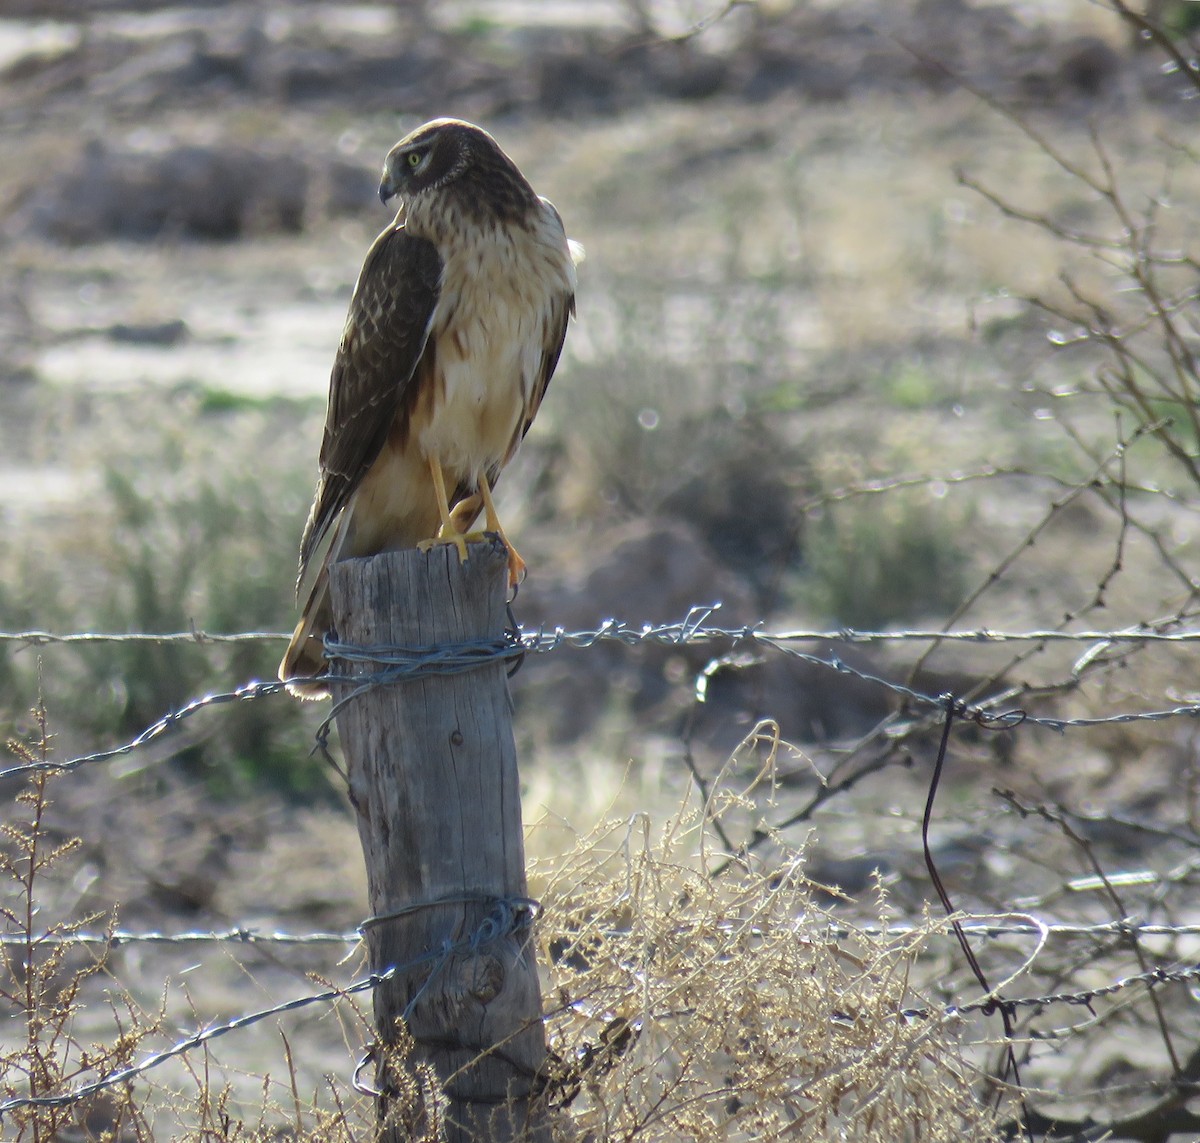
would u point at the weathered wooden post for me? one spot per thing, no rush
(432, 768)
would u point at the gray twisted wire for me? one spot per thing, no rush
(508, 916)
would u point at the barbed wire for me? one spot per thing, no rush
(397, 663)
(1136, 634)
(196, 1040)
(694, 629)
(980, 929)
(514, 916)
(49, 638)
(236, 936)
(508, 916)
(169, 721)
(1083, 998)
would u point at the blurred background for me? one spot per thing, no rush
(887, 323)
(791, 302)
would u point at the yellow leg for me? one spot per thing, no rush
(447, 533)
(516, 565)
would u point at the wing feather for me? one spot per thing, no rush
(373, 371)
(556, 335)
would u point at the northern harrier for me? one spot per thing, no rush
(455, 327)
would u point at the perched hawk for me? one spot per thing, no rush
(455, 328)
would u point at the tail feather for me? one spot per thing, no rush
(393, 520)
(304, 662)
(304, 658)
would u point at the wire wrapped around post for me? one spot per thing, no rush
(432, 771)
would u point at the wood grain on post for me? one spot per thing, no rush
(432, 769)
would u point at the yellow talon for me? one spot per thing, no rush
(466, 510)
(516, 565)
(458, 540)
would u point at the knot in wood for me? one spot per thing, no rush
(484, 977)
(456, 737)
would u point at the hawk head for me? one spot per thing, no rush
(448, 151)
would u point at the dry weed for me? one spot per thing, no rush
(687, 1007)
(41, 981)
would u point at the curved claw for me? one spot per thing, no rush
(457, 540)
(516, 566)
(462, 515)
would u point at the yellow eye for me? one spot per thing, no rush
(414, 159)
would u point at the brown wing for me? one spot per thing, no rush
(383, 340)
(556, 335)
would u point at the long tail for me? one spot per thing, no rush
(304, 659)
(305, 656)
(304, 662)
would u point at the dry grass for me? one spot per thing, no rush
(678, 1006)
(702, 1009)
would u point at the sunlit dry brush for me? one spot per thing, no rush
(42, 978)
(687, 1007)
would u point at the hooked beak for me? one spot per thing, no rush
(387, 187)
